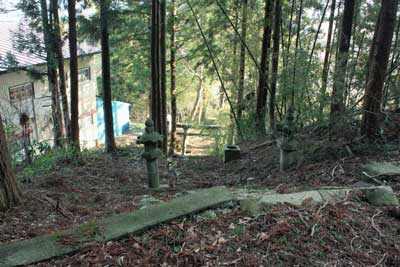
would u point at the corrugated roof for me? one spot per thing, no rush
(24, 58)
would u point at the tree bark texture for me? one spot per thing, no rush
(61, 70)
(105, 66)
(275, 63)
(378, 68)
(9, 193)
(296, 51)
(52, 75)
(263, 82)
(173, 79)
(73, 66)
(339, 82)
(325, 68)
(163, 75)
(242, 62)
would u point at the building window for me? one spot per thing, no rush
(21, 92)
(84, 74)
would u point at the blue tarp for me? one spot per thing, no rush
(120, 117)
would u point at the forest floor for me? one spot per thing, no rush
(349, 232)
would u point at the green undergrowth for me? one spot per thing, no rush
(48, 161)
(53, 158)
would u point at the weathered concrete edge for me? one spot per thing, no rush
(320, 195)
(49, 246)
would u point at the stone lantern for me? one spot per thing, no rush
(288, 144)
(151, 140)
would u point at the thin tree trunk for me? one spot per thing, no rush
(52, 75)
(357, 9)
(292, 9)
(158, 57)
(286, 57)
(156, 67)
(173, 79)
(203, 107)
(163, 74)
(275, 63)
(339, 82)
(73, 69)
(317, 34)
(242, 62)
(355, 62)
(378, 67)
(61, 70)
(9, 193)
(296, 50)
(105, 60)
(262, 85)
(373, 47)
(199, 97)
(393, 64)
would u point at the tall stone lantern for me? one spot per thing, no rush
(151, 139)
(287, 143)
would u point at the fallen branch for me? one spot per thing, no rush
(267, 143)
(375, 226)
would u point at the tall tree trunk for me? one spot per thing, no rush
(163, 75)
(275, 63)
(353, 54)
(296, 50)
(325, 68)
(391, 79)
(9, 193)
(292, 10)
(378, 67)
(373, 47)
(286, 57)
(52, 75)
(73, 69)
(317, 34)
(242, 62)
(173, 79)
(339, 82)
(61, 70)
(105, 60)
(263, 82)
(155, 66)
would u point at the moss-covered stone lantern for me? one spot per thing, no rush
(151, 139)
(288, 144)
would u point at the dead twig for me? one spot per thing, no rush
(316, 215)
(375, 226)
(380, 261)
(267, 143)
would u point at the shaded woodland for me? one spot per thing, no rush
(306, 93)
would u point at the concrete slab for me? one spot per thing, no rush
(293, 198)
(60, 243)
(376, 195)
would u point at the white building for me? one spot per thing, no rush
(21, 93)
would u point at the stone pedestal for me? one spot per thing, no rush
(287, 157)
(231, 152)
(152, 173)
(287, 143)
(150, 139)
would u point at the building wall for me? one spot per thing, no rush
(38, 107)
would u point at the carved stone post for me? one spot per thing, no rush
(150, 139)
(287, 144)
